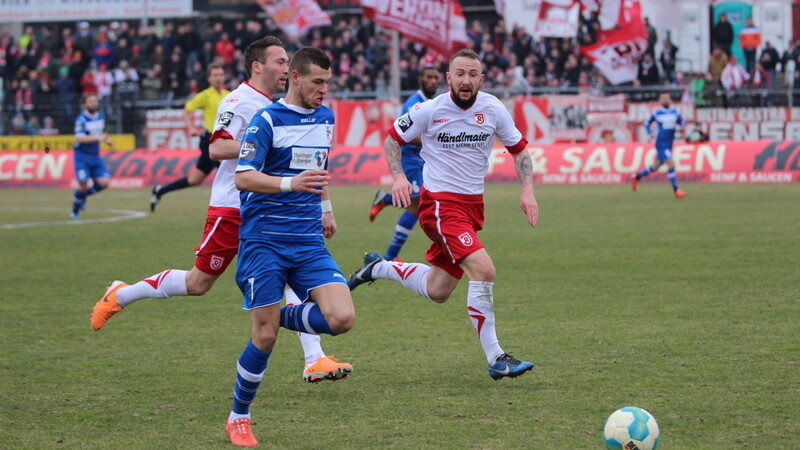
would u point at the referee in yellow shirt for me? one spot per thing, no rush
(207, 100)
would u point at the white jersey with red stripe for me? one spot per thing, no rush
(456, 142)
(233, 115)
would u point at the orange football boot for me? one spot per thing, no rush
(377, 204)
(634, 182)
(326, 368)
(680, 193)
(240, 433)
(106, 307)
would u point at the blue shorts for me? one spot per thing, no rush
(90, 167)
(265, 267)
(664, 154)
(412, 167)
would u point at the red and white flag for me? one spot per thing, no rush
(618, 50)
(558, 18)
(295, 17)
(436, 24)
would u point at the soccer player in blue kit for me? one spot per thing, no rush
(89, 133)
(286, 214)
(667, 118)
(429, 79)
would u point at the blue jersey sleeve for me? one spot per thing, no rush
(650, 122)
(256, 142)
(80, 126)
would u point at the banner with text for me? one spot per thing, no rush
(610, 163)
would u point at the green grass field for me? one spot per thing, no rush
(688, 308)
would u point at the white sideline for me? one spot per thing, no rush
(125, 214)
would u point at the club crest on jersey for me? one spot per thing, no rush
(479, 118)
(224, 119)
(404, 122)
(466, 239)
(250, 130)
(216, 262)
(329, 133)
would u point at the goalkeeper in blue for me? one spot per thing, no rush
(667, 119)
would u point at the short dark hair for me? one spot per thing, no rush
(425, 69)
(303, 59)
(256, 51)
(86, 96)
(214, 66)
(466, 53)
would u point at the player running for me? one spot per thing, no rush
(207, 100)
(412, 167)
(266, 66)
(89, 133)
(666, 118)
(286, 214)
(458, 131)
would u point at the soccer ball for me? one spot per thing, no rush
(631, 428)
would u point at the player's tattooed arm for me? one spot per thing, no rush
(393, 157)
(524, 167)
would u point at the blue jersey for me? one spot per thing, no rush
(667, 119)
(89, 125)
(418, 97)
(283, 140)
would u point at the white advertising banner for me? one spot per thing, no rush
(65, 10)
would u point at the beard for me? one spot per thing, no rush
(463, 104)
(92, 110)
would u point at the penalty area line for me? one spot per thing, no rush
(125, 214)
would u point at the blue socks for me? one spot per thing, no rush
(249, 372)
(79, 198)
(644, 172)
(403, 229)
(673, 179)
(305, 318)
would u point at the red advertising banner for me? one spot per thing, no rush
(602, 163)
(363, 122)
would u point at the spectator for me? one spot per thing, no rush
(722, 34)
(67, 97)
(648, 74)
(23, 99)
(103, 53)
(717, 62)
(652, 37)
(668, 60)
(750, 40)
(696, 87)
(104, 85)
(83, 39)
(19, 126)
(769, 60)
(48, 127)
(759, 82)
(711, 92)
(734, 78)
(225, 49)
(152, 85)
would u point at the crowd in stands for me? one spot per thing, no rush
(45, 70)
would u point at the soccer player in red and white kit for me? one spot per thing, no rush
(266, 64)
(458, 129)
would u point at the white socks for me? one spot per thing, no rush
(413, 276)
(312, 343)
(480, 306)
(169, 283)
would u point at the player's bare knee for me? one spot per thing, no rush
(341, 323)
(264, 339)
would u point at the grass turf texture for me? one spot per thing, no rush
(687, 308)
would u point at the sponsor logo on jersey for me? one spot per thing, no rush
(216, 262)
(250, 130)
(466, 239)
(441, 120)
(247, 151)
(308, 158)
(224, 119)
(404, 122)
(479, 118)
(462, 137)
(308, 120)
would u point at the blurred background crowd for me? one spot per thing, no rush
(45, 69)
